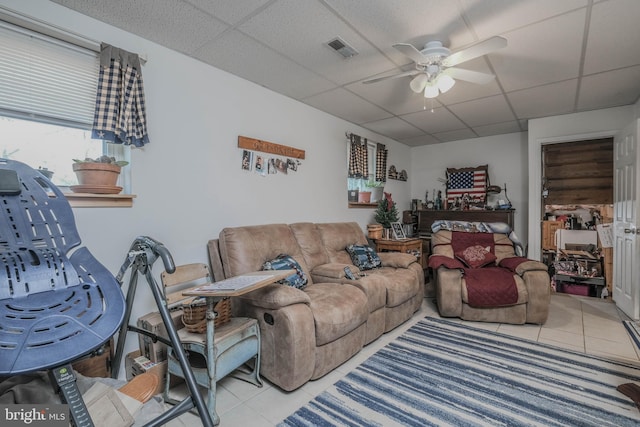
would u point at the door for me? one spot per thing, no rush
(626, 288)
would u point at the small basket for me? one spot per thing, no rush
(375, 231)
(194, 314)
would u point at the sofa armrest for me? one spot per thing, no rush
(396, 259)
(333, 270)
(275, 296)
(521, 265)
(288, 341)
(449, 291)
(437, 261)
(535, 276)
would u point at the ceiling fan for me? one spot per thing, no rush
(435, 71)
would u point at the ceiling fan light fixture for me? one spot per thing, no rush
(445, 82)
(431, 91)
(419, 82)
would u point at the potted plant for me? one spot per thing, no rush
(376, 188)
(97, 175)
(386, 213)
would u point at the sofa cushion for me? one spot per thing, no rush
(490, 287)
(522, 293)
(364, 257)
(397, 259)
(337, 310)
(402, 284)
(337, 236)
(285, 262)
(334, 270)
(476, 256)
(245, 249)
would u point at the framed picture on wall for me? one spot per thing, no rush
(398, 231)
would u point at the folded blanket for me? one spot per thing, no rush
(490, 287)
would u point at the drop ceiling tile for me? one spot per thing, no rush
(395, 94)
(305, 40)
(610, 89)
(498, 128)
(438, 120)
(145, 17)
(495, 17)
(230, 12)
(613, 36)
(543, 101)
(275, 72)
(455, 135)
(387, 22)
(542, 53)
(483, 111)
(464, 91)
(394, 128)
(344, 104)
(420, 140)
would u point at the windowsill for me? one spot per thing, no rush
(362, 205)
(90, 200)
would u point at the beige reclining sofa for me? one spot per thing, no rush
(308, 332)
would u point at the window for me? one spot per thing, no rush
(359, 183)
(47, 100)
(365, 177)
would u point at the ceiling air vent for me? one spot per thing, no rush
(342, 47)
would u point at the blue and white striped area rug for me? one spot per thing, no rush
(633, 329)
(449, 374)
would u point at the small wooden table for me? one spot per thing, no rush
(232, 287)
(213, 292)
(402, 245)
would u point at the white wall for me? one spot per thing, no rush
(506, 156)
(570, 127)
(188, 181)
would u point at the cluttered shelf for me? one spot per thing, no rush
(579, 271)
(427, 217)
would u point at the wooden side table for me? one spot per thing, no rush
(403, 245)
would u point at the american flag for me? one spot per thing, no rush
(472, 182)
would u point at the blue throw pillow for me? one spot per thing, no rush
(364, 257)
(285, 262)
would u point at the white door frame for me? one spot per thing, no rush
(626, 289)
(535, 185)
(569, 127)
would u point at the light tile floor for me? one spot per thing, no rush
(585, 324)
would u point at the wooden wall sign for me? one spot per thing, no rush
(269, 147)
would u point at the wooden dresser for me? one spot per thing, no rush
(428, 217)
(548, 234)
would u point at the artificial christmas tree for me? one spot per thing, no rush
(386, 213)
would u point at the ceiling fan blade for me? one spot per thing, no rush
(394, 76)
(469, 76)
(411, 51)
(478, 49)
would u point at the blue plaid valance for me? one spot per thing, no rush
(120, 115)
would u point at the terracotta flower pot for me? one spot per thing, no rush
(364, 197)
(97, 174)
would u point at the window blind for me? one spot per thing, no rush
(45, 79)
